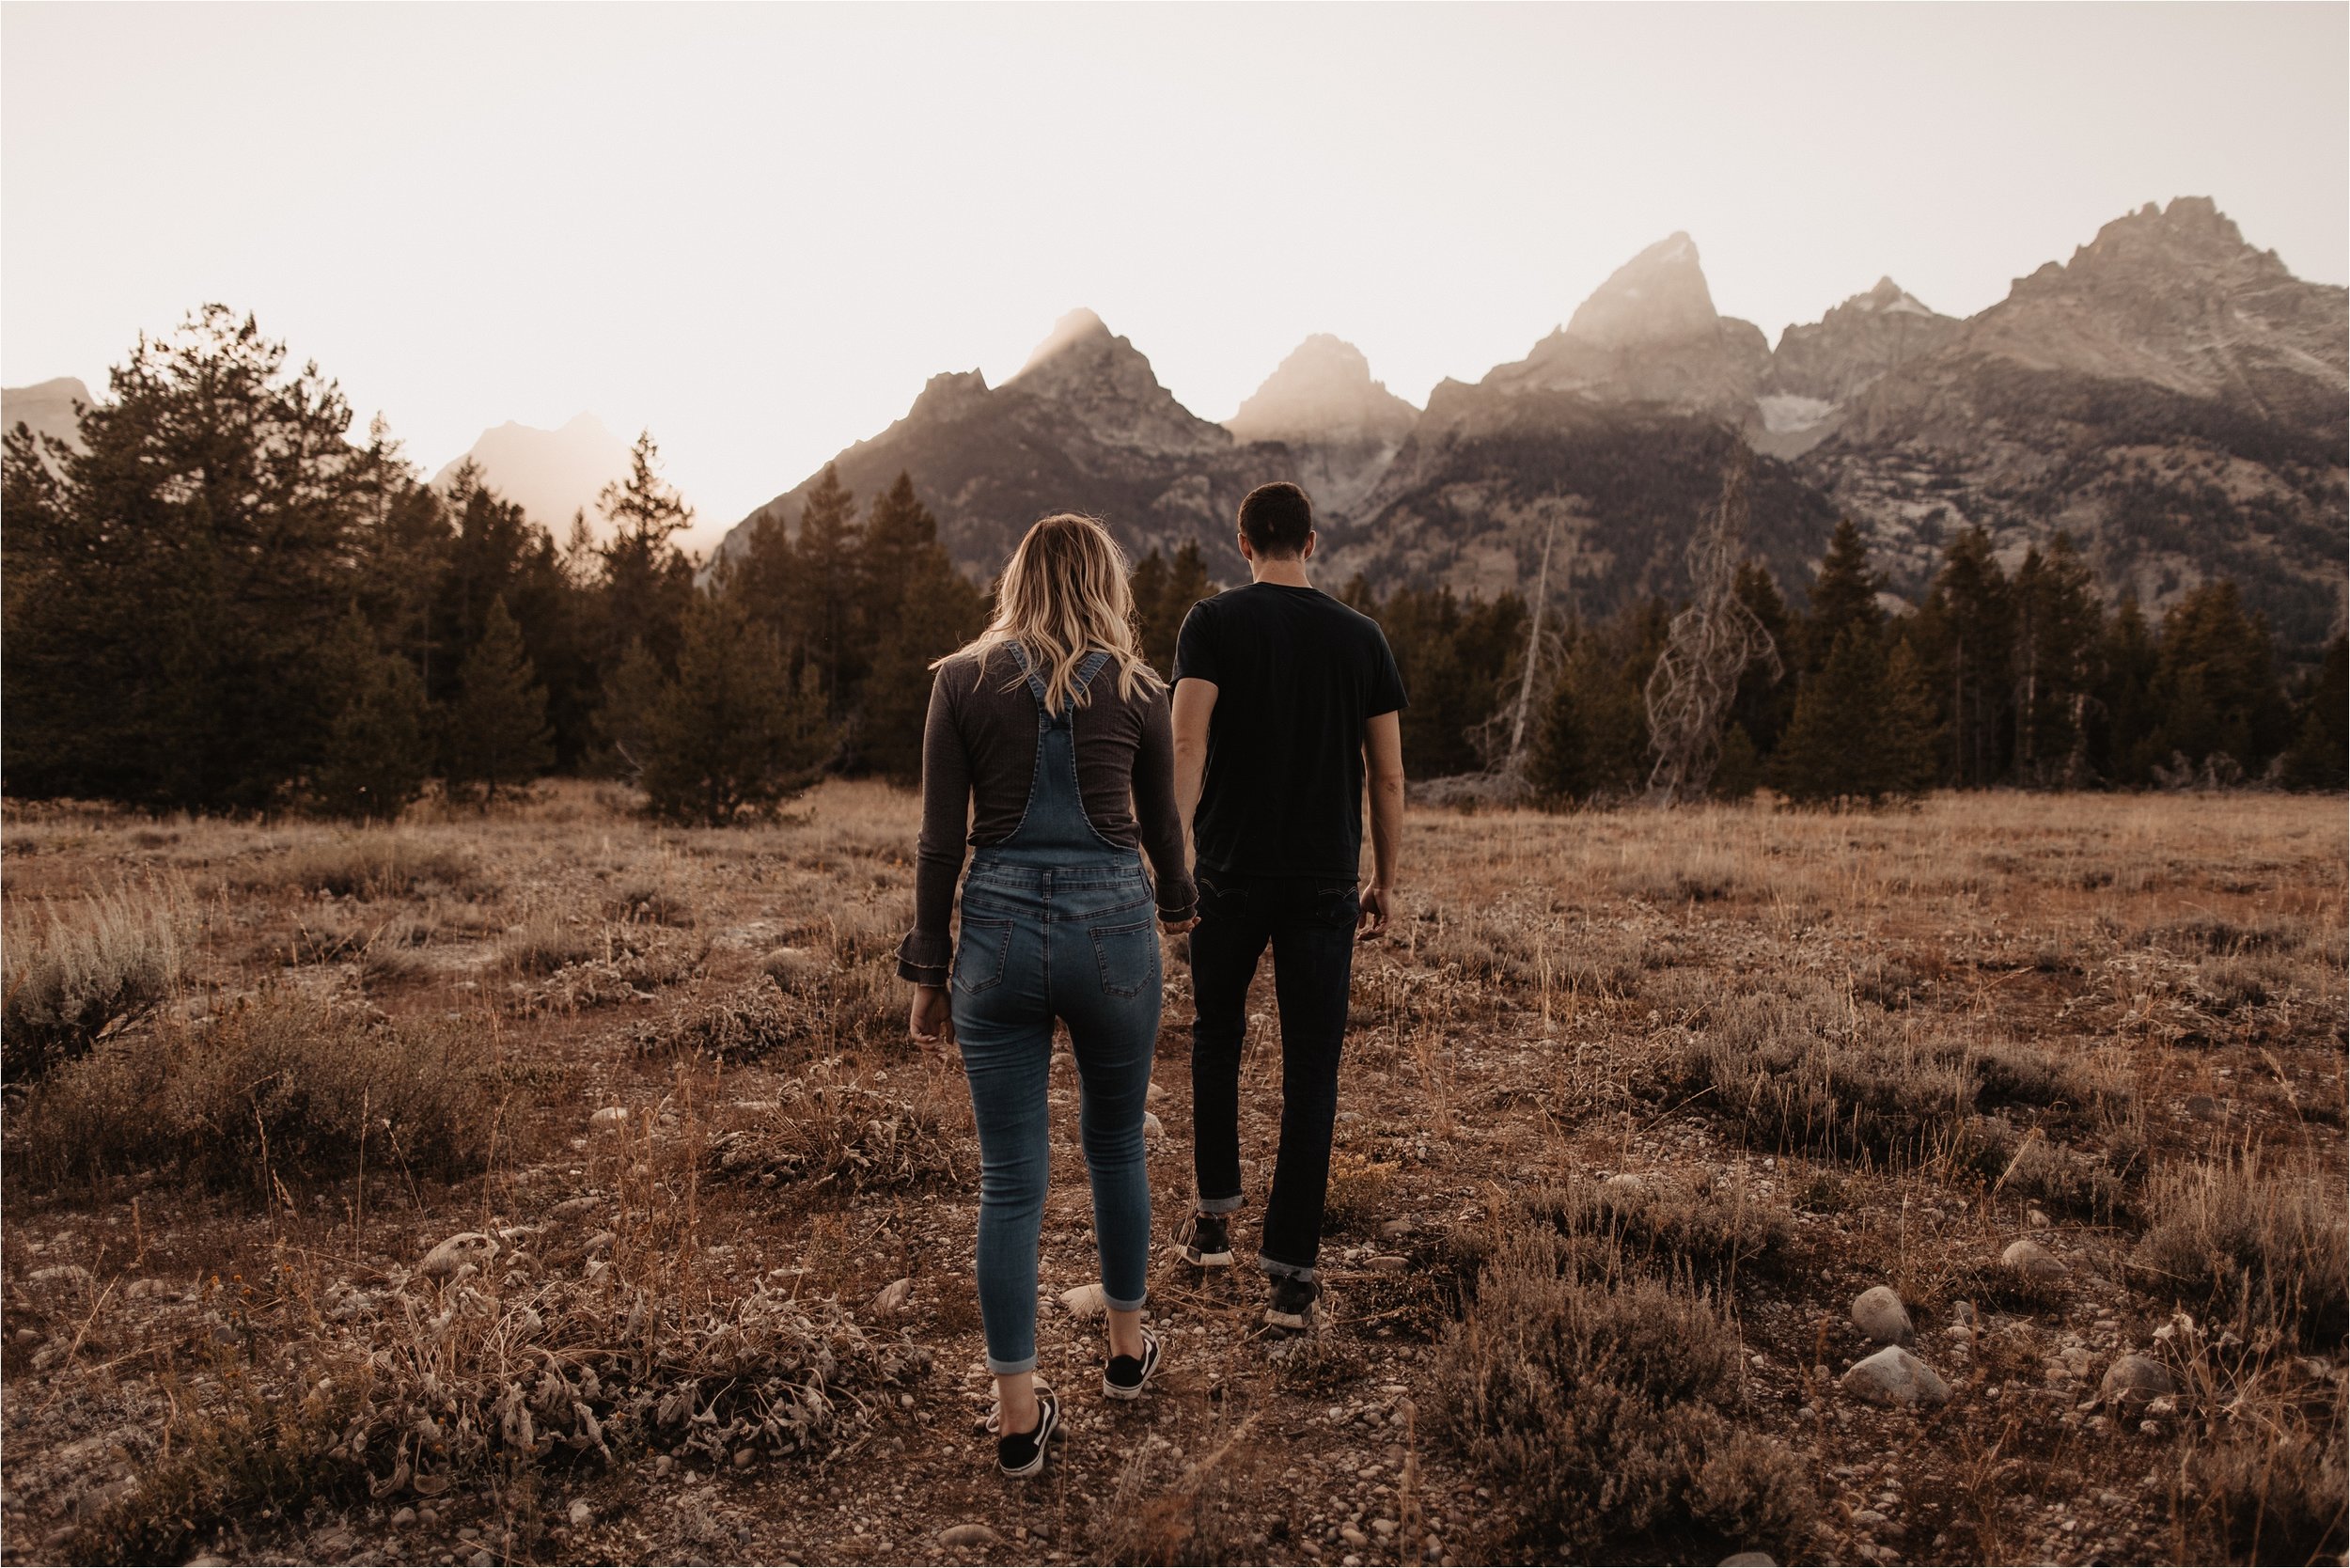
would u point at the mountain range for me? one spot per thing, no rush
(551, 474)
(2170, 397)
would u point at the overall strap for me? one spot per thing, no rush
(1088, 668)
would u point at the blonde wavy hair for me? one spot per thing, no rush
(1064, 594)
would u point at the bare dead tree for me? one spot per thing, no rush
(1709, 646)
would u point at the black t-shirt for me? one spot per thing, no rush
(1296, 674)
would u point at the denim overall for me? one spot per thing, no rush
(1056, 923)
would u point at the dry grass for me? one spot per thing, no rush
(664, 1073)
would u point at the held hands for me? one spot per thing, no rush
(1177, 928)
(1378, 906)
(930, 1021)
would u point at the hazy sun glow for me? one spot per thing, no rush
(757, 230)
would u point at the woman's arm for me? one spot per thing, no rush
(1156, 819)
(927, 950)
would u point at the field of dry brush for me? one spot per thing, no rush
(552, 1187)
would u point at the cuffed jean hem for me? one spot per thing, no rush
(1116, 1305)
(1220, 1205)
(1302, 1273)
(1011, 1368)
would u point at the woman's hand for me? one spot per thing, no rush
(931, 1020)
(1177, 928)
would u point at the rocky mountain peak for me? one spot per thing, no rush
(1659, 296)
(1104, 386)
(1322, 390)
(46, 407)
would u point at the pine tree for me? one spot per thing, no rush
(1834, 747)
(824, 588)
(1147, 584)
(646, 583)
(2319, 758)
(899, 534)
(375, 758)
(2057, 625)
(1592, 741)
(1907, 762)
(940, 611)
(1762, 706)
(1844, 598)
(2122, 711)
(2215, 686)
(1186, 584)
(171, 588)
(732, 730)
(497, 731)
(1966, 630)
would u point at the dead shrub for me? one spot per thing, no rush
(1356, 1197)
(376, 863)
(1801, 1080)
(1667, 1226)
(1600, 1409)
(650, 904)
(403, 1392)
(2271, 1251)
(828, 1132)
(2233, 984)
(546, 943)
(71, 976)
(1695, 876)
(748, 1024)
(281, 1088)
(2209, 934)
(2267, 1493)
(2068, 1180)
(1887, 981)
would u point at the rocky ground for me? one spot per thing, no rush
(2001, 1141)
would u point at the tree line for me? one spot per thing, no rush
(1999, 678)
(221, 601)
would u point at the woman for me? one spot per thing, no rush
(1049, 736)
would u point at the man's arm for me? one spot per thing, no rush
(1382, 754)
(1195, 699)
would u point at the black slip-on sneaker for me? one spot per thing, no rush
(1022, 1453)
(1208, 1242)
(1292, 1304)
(1124, 1377)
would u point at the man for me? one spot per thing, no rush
(1284, 700)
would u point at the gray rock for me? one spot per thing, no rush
(1084, 1302)
(1153, 1095)
(1387, 1263)
(891, 1298)
(581, 1514)
(793, 968)
(1893, 1377)
(1750, 1560)
(1878, 1312)
(462, 1252)
(610, 1118)
(2135, 1379)
(1151, 1126)
(1391, 1229)
(967, 1535)
(2034, 1261)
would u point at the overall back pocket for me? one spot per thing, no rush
(980, 950)
(1129, 956)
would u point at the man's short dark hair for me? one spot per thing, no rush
(1277, 519)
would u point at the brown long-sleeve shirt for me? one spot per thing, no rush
(979, 758)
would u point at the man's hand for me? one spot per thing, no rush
(931, 1019)
(1378, 908)
(1177, 928)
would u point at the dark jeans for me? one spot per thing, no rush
(1310, 926)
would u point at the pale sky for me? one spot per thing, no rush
(758, 230)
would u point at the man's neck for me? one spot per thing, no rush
(1287, 573)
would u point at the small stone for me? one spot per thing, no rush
(1354, 1537)
(1387, 1263)
(2135, 1380)
(1084, 1302)
(580, 1514)
(1391, 1229)
(891, 1298)
(2203, 1107)
(1750, 1560)
(745, 1458)
(1151, 1126)
(59, 1274)
(609, 1117)
(1867, 1518)
(2030, 1259)
(1383, 1527)
(2036, 1219)
(664, 1465)
(1878, 1312)
(1894, 1376)
(402, 1518)
(1153, 1095)
(1963, 1312)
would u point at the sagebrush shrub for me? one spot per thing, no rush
(1601, 1409)
(279, 1088)
(2274, 1251)
(70, 975)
